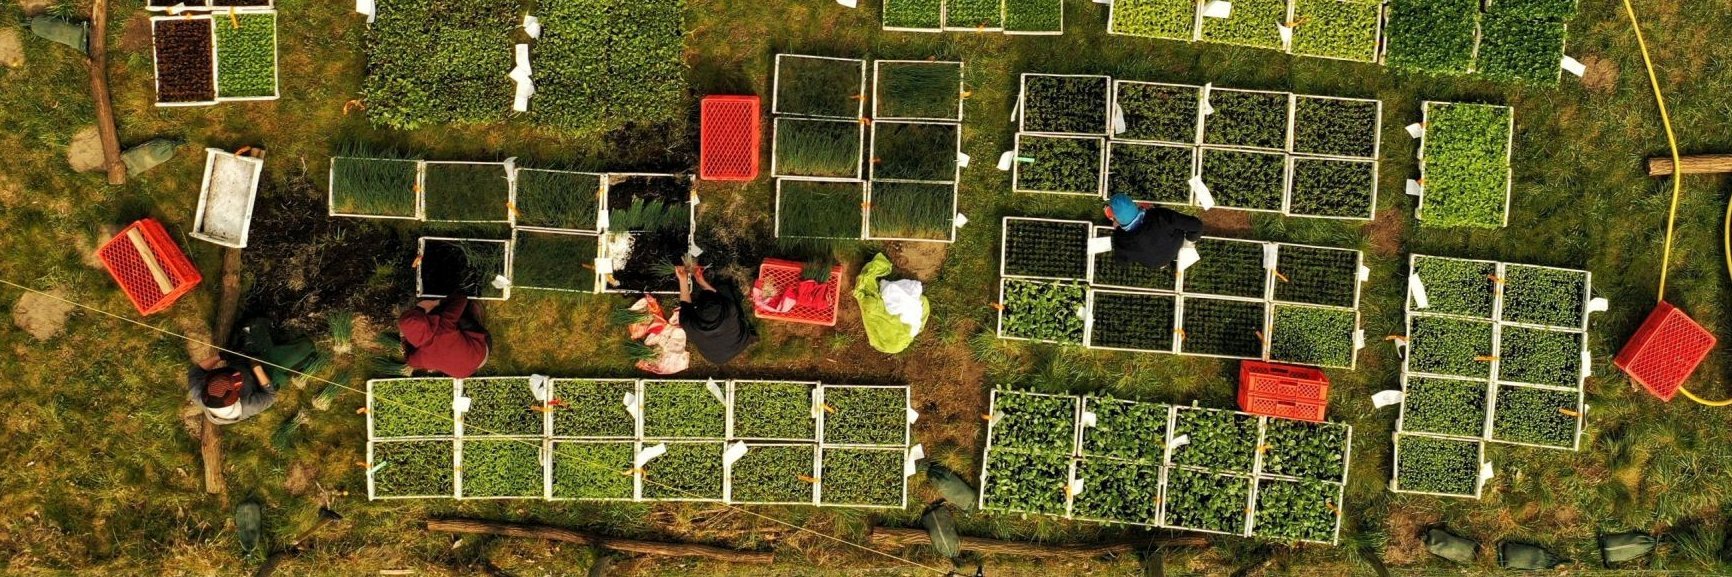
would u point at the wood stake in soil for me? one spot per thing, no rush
(98, 64)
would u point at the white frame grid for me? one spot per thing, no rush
(206, 13)
(776, 88)
(421, 251)
(872, 178)
(548, 441)
(600, 204)
(211, 157)
(331, 188)
(878, 82)
(1508, 151)
(516, 242)
(508, 166)
(1076, 455)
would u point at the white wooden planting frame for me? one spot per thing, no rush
(775, 147)
(1112, 26)
(600, 204)
(1509, 153)
(1099, 168)
(815, 390)
(156, 66)
(1196, 170)
(1021, 110)
(721, 462)
(878, 82)
(728, 474)
(1004, 233)
(372, 432)
(232, 238)
(776, 88)
(777, 219)
(1286, 175)
(637, 420)
(372, 483)
(1292, 180)
(818, 490)
(516, 240)
(608, 180)
(1115, 109)
(947, 27)
(907, 406)
(884, 16)
(331, 188)
(553, 445)
(1376, 43)
(508, 166)
(1069, 455)
(543, 459)
(276, 60)
(207, 5)
(422, 250)
(643, 388)
(1395, 468)
(1004, 19)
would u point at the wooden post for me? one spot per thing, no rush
(1695, 164)
(228, 306)
(98, 64)
(506, 529)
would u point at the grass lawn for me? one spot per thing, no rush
(101, 475)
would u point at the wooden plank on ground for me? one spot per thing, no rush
(1694, 164)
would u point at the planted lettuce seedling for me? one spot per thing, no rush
(411, 407)
(1434, 465)
(1297, 510)
(1316, 451)
(1207, 501)
(501, 406)
(1033, 423)
(1118, 492)
(1465, 165)
(1219, 440)
(689, 471)
(866, 416)
(1444, 407)
(1043, 311)
(1168, 19)
(593, 408)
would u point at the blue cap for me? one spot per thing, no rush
(1125, 211)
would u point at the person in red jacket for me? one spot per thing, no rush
(444, 336)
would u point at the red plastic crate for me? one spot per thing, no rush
(1665, 351)
(1261, 379)
(777, 274)
(129, 267)
(730, 138)
(1283, 408)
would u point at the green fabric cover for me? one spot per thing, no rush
(146, 156)
(63, 31)
(886, 332)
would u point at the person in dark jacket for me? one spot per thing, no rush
(714, 321)
(1149, 236)
(444, 336)
(228, 395)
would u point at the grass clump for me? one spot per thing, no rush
(558, 199)
(688, 471)
(1444, 407)
(1042, 311)
(1313, 336)
(412, 407)
(765, 410)
(467, 192)
(502, 469)
(1434, 36)
(819, 148)
(1333, 188)
(866, 416)
(501, 406)
(818, 209)
(1058, 164)
(823, 87)
(1167, 19)
(869, 477)
(374, 187)
(557, 261)
(774, 474)
(246, 56)
(1344, 29)
(1450, 347)
(682, 409)
(918, 90)
(1433, 465)
(1465, 165)
(1150, 172)
(593, 470)
(1245, 179)
(912, 210)
(413, 468)
(593, 408)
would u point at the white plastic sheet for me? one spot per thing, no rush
(902, 299)
(1383, 399)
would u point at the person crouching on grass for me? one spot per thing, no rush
(229, 395)
(1149, 236)
(444, 336)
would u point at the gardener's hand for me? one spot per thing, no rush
(428, 304)
(683, 274)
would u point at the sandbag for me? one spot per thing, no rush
(62, 31)
(951, 486)
(148, 155)
(1513, 555)
(941, 528)
(1621, 547)
(1449, 546)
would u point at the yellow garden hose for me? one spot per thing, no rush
(1677, 185)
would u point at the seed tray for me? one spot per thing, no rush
(184, 47)
(226, 198)
(1207, 502)
(974, 15)
(1349, 30)
(1218, 440)
(1043, 311)
(917, 89)
(911, 211)
(1057, 164)
(1537, 417)
(1254, 119)
(1316, 336)
(1544, 296)
(592, 471)
(423, 468)
(554, 260)
(1318, 276)
(1165, 19)
(1456, 187)
(688, 471)
(774, 410)
(1155, 173)
(413, 408)
(1245, 179)
(479, 264)
(1444, 346)
(501, 407)
(683, 409)
(1305, 450)
(913, 15)
(1017, 482)
(560, 200)
(1033, 423)
(467, 192)
(866, 416)
(402, 180)
(1331, 188)
(817, 148)
(862, 477)
(1445, 407)
(1456, 464)
(1297, 510)
(1074, 104)
(1110, 272)
(1118, 492)
(501, 468)
(1156, 112)
(828, 209)
(1453, 286)
(596, 409)
(1132, 321)
(1330, 126)
(819, 87)
(1033, 17)
(1123, 430)
(1044, 248)
(1229, 268)
(925, 152)
(775, 474)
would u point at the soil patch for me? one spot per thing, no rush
(1225, 221)
(135, 34)
(1405, 528)
(40, 315)
(85, 151)
(33, 7)
(1602, 76)
(11, 48)
(1386, 231)
(922, 260)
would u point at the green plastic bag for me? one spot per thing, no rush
(1449, 546)
(1621, 547)
(884, 331)
(951, 486)
(941, 528)
(148, 155)
(1513, 555)
(62, 31)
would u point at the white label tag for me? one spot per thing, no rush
(1088, 419)
(1005, 159)
(1414, 188)
(1188, 255)
(1181, 441)
(603, 266)
(1016, 112)
(716, 391)
(1358, 339)
(911, 464)
(631, 405)
(1271, 253)
(1200, 191)
(541, 386)
(734, 453)
(1416, 130)
(1587, 363)
(1485, 472)
(1286, 34)
(461, 404)
(601, 220)
(913, 415)
(962, 159)
(1204, 106)
(532, 26)
(1076, 486)
(1400, 346)
(1118, 119)
(1082, 312)
(1575, 67)
(500, 282)
(1364, 273)
(693, 250)
(361, 6)
(1416, 288)
(1100, 244)
(648, 453)
(1218, 9)
(1598, 305)
(961, 220)
(849, 3)
(522, 74)
(995, 416)
(1383, 399)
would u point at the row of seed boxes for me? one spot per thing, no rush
(1334, 29)
(1014, 17)
(1207, 470)
(1243, 299)
(1177, 144)
(759, 442)
(201, 60)
(826, 189)
(1495, 352)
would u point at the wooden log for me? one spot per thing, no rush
(506, 529)
(1694, 164)
(98, 65)
(888, 538)
(228, 307)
